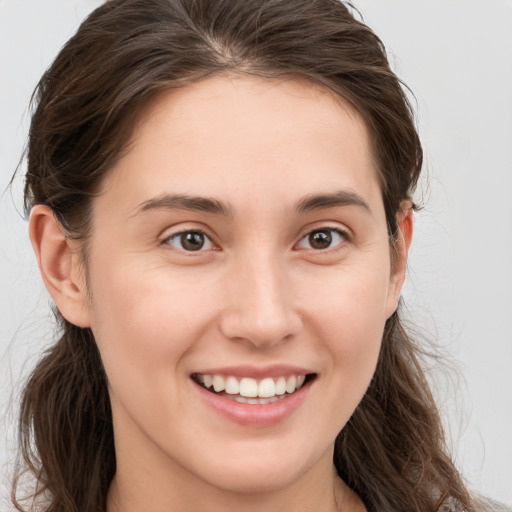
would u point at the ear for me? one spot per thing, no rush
(59, 263)
(405, 221)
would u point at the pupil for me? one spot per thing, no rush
(320, 239)
(192, 241)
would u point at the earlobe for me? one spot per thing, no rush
(405, 221)
(59, 265)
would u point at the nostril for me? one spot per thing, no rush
(260, 311)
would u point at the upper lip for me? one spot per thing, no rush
(255, 372)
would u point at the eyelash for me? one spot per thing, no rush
(181, 234)
(341, 234)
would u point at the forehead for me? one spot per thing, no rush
(238, 135)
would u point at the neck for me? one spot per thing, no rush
(149, 479)
(151, 490)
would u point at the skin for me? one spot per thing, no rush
(259, 294)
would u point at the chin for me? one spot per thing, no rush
(253, 481)
(259, 474)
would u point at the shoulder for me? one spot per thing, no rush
(487, 505)
(482, 505)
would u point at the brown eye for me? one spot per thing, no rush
(322, 239)
(190, 241)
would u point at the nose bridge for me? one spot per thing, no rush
(260, 306)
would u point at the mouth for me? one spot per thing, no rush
(248, 390)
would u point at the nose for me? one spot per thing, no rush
(259, 303)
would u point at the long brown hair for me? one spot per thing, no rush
(392, 451)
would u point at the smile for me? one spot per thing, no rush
(252, 391)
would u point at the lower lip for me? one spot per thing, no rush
(260, 415)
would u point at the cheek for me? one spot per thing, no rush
(144, 323)
(351, 302)
(350, 313)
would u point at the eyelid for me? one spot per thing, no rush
(343, 233)
(165, 240)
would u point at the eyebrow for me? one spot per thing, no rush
(186, 202)
(210, 205)
(314, 202)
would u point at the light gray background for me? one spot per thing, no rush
(456, 55)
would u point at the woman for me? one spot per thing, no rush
(220, 197)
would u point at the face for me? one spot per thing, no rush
(239, 281)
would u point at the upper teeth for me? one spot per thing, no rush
(249, 387)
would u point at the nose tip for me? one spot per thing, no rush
(260, 310)
(261, 328)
